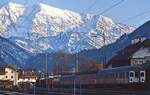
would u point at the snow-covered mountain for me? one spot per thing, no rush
(38, 27)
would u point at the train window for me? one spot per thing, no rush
(113, 75)
(117, 75)
(120, 75)
(131, 74)
(125, 75)
(142, 74)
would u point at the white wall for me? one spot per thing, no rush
(141, 53)
(11, 75)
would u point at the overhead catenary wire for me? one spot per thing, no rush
(108, 9)
(111, 7)
(136, 16)
(90, 7)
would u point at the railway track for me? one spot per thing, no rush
(76, 91)
(58, 91)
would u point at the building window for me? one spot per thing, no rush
(11, 71)
(12, 77)
(6, 77)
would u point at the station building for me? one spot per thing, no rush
(8, 76)
(138, 52)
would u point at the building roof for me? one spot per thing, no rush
(8, 66)
(2, 71)
(123, 57)
(142, 53)
(27, 73)
(2, 68)
(119, 69)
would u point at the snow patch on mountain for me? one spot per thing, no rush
(9, 15)
(38, 28)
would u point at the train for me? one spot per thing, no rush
(125, 76)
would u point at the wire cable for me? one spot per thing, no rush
(136, 16)
(111, 7)
(90, 7)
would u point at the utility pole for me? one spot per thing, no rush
(46, 66)
(80, 88)
(74, 87)
(77, 63)
(104, 44)
(103, 29)
(34, 88)
(46, 71)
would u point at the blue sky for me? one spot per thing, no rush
(121, 13)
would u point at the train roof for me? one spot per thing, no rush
(119, 69)
(80, 73)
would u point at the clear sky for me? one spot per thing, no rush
(121, 13)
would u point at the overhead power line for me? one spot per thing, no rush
(136, 16)
(90, 7)
(111, 7)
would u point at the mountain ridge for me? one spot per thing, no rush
(42, 25)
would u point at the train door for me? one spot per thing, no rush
(142, 76)
(131, 76)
